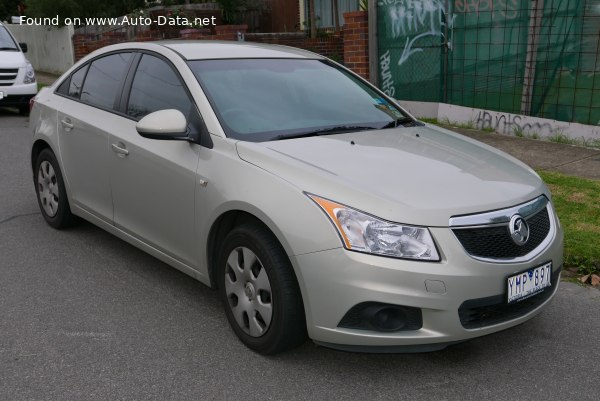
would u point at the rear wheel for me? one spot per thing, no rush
(259, 291)
(51, 193)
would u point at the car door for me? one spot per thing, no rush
(86, 113)
(153, 181)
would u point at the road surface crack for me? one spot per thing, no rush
(16, 216)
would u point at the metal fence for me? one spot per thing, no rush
(538, 57)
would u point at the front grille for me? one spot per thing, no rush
(482, 312)
(5, 83)
(495, 242)
(8, 74)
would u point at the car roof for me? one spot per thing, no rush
(213, 49)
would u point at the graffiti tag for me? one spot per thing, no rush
(507, 123)
(387, 81)
(425, 18)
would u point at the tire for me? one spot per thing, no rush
(24, 110)
(51, 193)
(261, 298)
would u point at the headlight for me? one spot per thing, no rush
(29, 74)
(365, 233)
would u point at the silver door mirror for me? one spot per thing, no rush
(163, 124)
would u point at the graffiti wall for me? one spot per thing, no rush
(476, 53)
(412, 37)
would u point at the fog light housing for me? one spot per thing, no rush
(382, 317)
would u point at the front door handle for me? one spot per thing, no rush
(119, 149)
(67, 124)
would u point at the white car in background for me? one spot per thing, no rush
(314, 203)
(17, 77)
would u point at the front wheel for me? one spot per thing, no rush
(259, 291)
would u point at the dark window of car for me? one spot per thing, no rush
(77, 82)
(156, 87)
(103, 81)
(72, 85)
(6, 41)
(267, 99)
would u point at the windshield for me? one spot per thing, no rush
(6, 41)
(266, 99)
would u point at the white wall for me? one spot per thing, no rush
(501, 122)
(50, 48)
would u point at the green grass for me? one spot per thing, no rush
(577, 203)
(429, 120)
(40, 86)
(455, 124)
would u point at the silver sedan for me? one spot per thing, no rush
(314, 203)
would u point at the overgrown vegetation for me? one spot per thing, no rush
(577, 203)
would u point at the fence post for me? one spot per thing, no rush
(533, 38)
(373, 50)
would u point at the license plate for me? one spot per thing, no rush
(529, 283)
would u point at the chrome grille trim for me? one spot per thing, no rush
(502, 218)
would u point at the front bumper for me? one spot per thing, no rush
(333, 281)
(17, 95)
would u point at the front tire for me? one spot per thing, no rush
(51, 193)
(259, 291)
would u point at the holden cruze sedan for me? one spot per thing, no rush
(308, 198)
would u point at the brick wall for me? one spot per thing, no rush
(356, 42)
(331, 46)
(350, 46)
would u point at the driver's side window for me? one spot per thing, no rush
(156, 87)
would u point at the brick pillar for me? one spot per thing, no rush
(356, 42)
(80, 45)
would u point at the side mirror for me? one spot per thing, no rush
(167, 124)
(23, 47)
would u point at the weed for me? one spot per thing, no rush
(560, 137)
(518, 131)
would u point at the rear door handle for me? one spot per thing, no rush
(67, 124)
(119, 149)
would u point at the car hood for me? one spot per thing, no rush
(11, 59)
(420, 175)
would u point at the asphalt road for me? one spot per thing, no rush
(85, 316)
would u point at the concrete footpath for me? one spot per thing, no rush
(537, 153)
(542, 154)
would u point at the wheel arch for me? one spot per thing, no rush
(224, 223)
(36, 149)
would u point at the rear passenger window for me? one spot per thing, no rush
(77, 83)
(103, 81)
(156, 87)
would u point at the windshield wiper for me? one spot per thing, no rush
(397, 122)
(324, 131)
